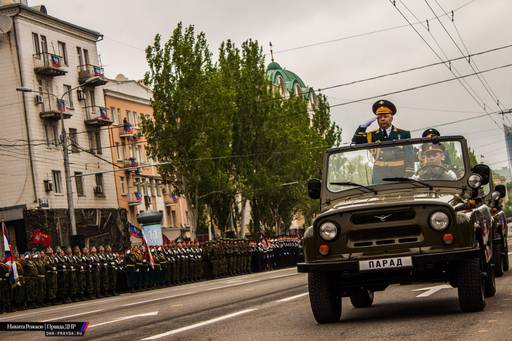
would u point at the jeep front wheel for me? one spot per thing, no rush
(361, 298)
(470, 285)
(325, 302)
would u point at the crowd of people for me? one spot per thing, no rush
(48, 277)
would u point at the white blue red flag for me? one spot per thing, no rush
(9, 259)
(150, 256)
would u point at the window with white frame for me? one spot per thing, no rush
(118, 151)
(57, 181)
(52, 133)
(114, 115)
(139, 154)
(135, 119)
(79, 182)
(63, 52)
(69, 96)
(159, 188)
(122, 182)
(129, 117)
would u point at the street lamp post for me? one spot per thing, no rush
(64, 140)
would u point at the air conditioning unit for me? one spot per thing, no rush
(48, 186)
(38, 99)
(81, 95)
(98, 189)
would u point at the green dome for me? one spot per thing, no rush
(273, 66)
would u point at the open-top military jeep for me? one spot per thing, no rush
(398, 212)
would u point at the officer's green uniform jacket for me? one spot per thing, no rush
(388, 162)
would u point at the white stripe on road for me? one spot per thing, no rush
(292, 297)
(153, 313)
(510, 253)
(64, 317)
(208, 289)
(432, 290)
(200, 324)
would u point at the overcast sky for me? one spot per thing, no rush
(129, 26)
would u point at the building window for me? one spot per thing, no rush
(44, 44)
(139, 154)
(86, 57)
(52, 134)
(57, 181)
(114, 115)
(67, 89)
(79, 184)
(36, 43)
(129, 117)
(63, 52)
(73, 137)
(123, 185)
(80, 58)
(159, 189)
(92, 144)
(97, 136)
(132, 151)
(92, 98)
(135, 119)
(99, 183)
(144, 188)
(174, 221)
(118, 151)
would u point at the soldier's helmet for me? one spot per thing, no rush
(430, 132)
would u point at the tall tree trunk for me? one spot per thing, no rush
(243, 216)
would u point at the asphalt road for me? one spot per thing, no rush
(274, 305)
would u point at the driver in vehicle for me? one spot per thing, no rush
(433, 165)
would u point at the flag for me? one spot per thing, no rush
(61, 105)
(135, 231)
(149, 255)
(55, 60)
(103, 111)
(174, 198)
(97, 71)
(9, 259)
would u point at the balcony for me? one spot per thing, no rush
(49, 65)
(134, 198)
(96, 116)
(129, 132)
(52, 109)
(88, 71)
(170, 199)
(131, 165)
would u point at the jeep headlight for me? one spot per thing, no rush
(475, 181)
(328, 231)
(439, 221)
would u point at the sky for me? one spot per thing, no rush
(341, 49)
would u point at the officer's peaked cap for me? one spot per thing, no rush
(383, 103)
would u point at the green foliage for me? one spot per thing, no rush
(226, 132)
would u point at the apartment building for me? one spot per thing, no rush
(56, 65)
(139, 186)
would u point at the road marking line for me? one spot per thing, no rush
(157, 299)
(432, 290)
(177, 305)
(292, 297)
(153, 313)
(510, 252)
(64, 317)
(200, 324)
(483, 331)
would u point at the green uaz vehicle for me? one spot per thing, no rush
(403, 211)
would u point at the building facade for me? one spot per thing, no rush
(56, 64)
(139, 186)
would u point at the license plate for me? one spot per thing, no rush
(385, 263)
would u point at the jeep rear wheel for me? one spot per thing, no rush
(361, 298)
(498, 260)
(325, 302)
(470, 285)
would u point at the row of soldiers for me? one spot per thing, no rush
(74, 274)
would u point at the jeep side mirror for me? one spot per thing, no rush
(501, 189)
(484, 171)
(314, 188)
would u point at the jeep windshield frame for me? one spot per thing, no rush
(459, 182)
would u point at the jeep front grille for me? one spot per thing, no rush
(385, 236)
(381, 216)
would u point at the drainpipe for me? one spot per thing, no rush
(30, 153)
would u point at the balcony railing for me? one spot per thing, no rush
(170, 199)
(52, 108)
(97, 116)
(129, 132)
(49, 64)
(134, 198)
(131, 165)
(88, 71)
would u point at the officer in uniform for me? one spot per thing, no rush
(388, 162)
(80, 273)
(5, 288)
(50, 266)
(433, 167)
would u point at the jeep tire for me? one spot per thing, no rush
(470, 285)
(498, 260)
(325, 301)
(361, 297)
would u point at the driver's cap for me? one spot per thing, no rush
(432, 147)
